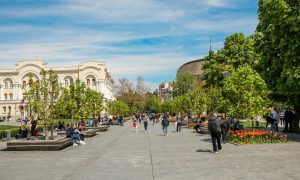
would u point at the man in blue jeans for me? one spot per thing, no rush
(165, 123)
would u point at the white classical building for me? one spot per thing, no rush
(13, 81)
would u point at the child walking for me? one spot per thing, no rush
(135, 125)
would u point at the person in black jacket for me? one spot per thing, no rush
(22, 133)
(288, 118)
(165, 123)
(214, 126)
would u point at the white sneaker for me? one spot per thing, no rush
(82, 142)
(75, 144)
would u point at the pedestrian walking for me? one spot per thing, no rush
(134, 125)
(214, 126)
(146, 120)
(224, 128)
(152, 118)
(165, 123)
(276, 118)
(179, 120)
(140, 118)
(288, 118)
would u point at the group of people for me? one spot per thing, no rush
(154, 118)
(286, 116)
(138, 118)
(76, 133)
(23, 131)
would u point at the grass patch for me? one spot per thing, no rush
(6, 127)
(248, 124)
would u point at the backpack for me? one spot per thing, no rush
(69, 132)
(214, 125)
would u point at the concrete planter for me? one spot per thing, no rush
(39, 145)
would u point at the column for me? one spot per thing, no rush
(14, 92)
(1, 92)
(20, 93)
(97, 86)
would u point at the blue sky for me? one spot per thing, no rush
(148, 38)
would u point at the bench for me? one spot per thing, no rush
(204, 130)
(39, 145)
(100, 128)
(87, 134)
(90, 133)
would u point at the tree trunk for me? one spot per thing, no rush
(295, 122)
(46, 133)
(52, 137)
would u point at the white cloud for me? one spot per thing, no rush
(214, 3)
(80, 30)
(229, 24)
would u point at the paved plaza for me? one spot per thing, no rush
(122, 153)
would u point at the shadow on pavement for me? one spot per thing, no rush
(206, 140)
(204, 150)
(294, 137)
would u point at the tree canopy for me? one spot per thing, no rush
(278, 34)
(245, 93)
(184, 84)
(133, 94)
(118, 107)
(238, 50)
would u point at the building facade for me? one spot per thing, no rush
(193, 67)
(13, 83)
(166, 90)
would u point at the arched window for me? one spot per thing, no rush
(66, 83)
(5, 96)
(10, 96)
(68, 80)
(4, 109)
(9, 109)
(90, 80)
(11, 85)
(6, 85)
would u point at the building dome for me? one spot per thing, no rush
(192, 67)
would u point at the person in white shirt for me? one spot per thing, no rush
(276, 117)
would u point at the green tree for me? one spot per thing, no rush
(42, 96)
(277, 41)
(65, 105)
(152, 103)
(183, 104)
(77, 93)
(32, 96)
(168, 106)
(245, 93)
(133, 94)
(93, 103)
(118, 107)
(184, 84)
(198, 99)
(238, 50)
(214, 99)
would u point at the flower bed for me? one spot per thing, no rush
(255, 137)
